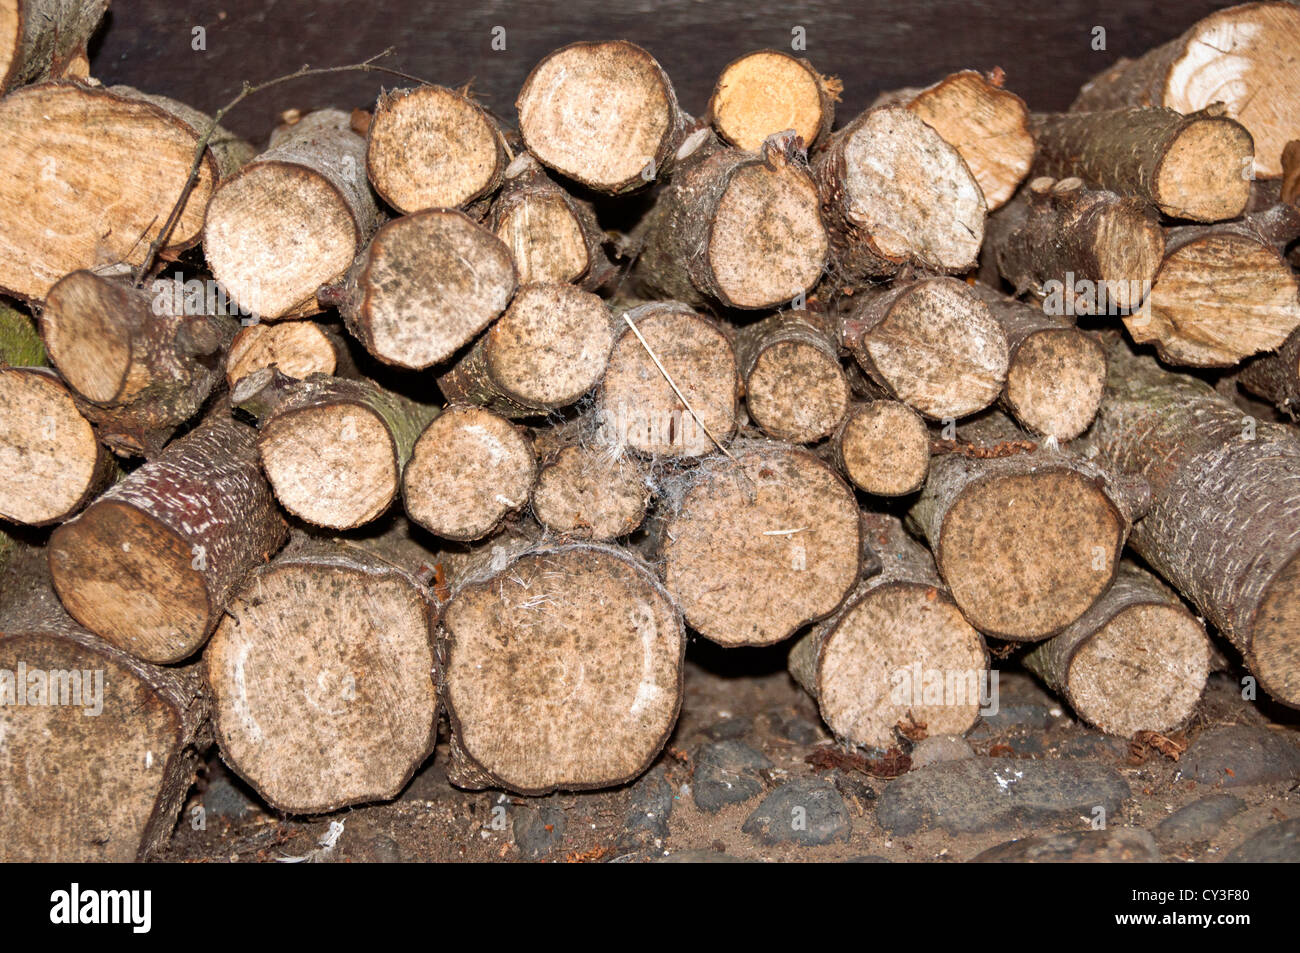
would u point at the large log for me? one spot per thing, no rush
(767, 92)
(322, 677)
(1244, 57)
(561, 669)
(293, 218)
(46, 39)
(898, 652)
(795, 388)
(150, 564)
(1137, 635)
(1224, 524)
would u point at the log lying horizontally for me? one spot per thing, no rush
(317, 715)
(766, 92)
(883, 447)
(298, 349)
(588, 487)
(41, 40)
(874, 664)
(561, 669)
(795, 388)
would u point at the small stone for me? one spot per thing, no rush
(1198, 821)
(996, 793)
(939, 748)
(727, 772)
(538, 830)
(1129, 845)
(793, 728)
(652, 803)
(1093, 745)
(729, 729)
(224, 799)
(807, 811)
(1275, 844)
(1239, 755)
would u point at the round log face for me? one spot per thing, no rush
(1055, 382)
(765, 93)
(131, 580)
(563, 670)
(1203, 175)
(431, 147)
(595, 493)
(903, 651)
(84, 333)
(1027, 554)
(885, 448)
(1274, 655)
(597, 113)
(88, 783)
(298, 348)
(797, 392)
(48, 452)
(1144, 670)
(757, 551)
(545, 239)
(323, 682)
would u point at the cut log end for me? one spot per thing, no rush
(760, 547)
(797, 392)
(595, 493)
(563, 670)
(432, 147)
(546, 239)
(84, 333)
(298, 348)
(1128, 247)
(1274, 653)
(1204, 173)
(1055, 382)
(885, 448)
(319, 712)
(470, 468)
(765, 93)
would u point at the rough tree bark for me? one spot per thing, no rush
(987, 124)
(549, 349)
(433, 147)
(424, 287)
(150, 564)
(795, 388)
(894, 194)
(930, 343)
(1137, 635)
(883, 447)
(138, 363)
(1244, 57)
(46, 39)
(1078, 250)
(333, 449)
(897, 651)
(561, 669)
(1194, 167)
(602, 114)
(294, 218)
(1276, 377)
(1055, 373)
(1223, 527)
(767, 92)
(641, 407)
(90, 172)
(735, 228)
(758, 542)
(317, 715)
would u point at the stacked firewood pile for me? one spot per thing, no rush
(412, 413)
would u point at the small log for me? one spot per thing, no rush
(987, 124)
(1056, 372)
(1224, 526)
(91, 172)
(561, 669)
(100, 748)
(1195, 167)
(553, 235)
(470, 468)
(739, 229)
(930, 343)
(795, 388)
(883, 447)
(766, 92)
(333, 449)
(1078, 250)
(758, 543)
(1242, 56)
(895, 194)
(549, 349)
(294, 218)
(602, 114)
(433, 147)
(46, 39)
(51, 462)
(424, 287)
(1027, 538)
(322, 676)
(897, 652)
(298, 349)
(588, 487)
(139, 364)
(1137, 635)
(150, 564)
(642, 409)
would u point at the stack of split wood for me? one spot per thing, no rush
(392, 428)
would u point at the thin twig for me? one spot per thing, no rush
(365, 66)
